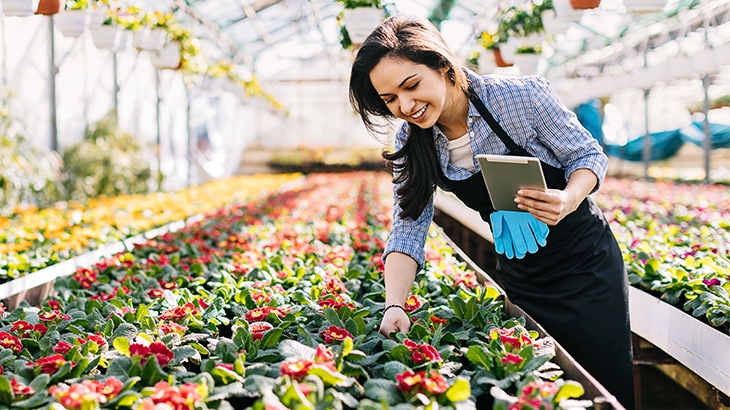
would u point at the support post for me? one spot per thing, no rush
(191, 159)
(116, 85)
(707, 142)
(646, 152)
(158, 141)
(52, 71)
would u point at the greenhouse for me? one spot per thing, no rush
(365, 204)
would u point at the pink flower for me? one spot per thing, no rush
(512, 358)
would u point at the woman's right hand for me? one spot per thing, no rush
(395, 320)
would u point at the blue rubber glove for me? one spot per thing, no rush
(517, 233)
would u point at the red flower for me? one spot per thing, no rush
(40, 328)
(9, 341)
(62, 347)
(155, 293)
(711, 282)
(323, 354)
(53, 316)
(21, 389)
(179, 398)
(100, 341)
(335, 334)
(438, 321)
(139, 350)
(512, 358)
(296, 369)
(51, 364)
(167, 285)
(164, 355)
(258, 329)
(435, 383)
(409, 380)
(202, 304)
(335, 301)
(227, 366)
(259, 314)
(180, 312)
(170, 327)
(413, 302)
(20, 327)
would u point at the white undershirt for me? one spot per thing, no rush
(460, 153)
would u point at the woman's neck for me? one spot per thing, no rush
(453, 118)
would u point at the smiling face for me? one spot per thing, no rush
(413, 92)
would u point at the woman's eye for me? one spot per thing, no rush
(389, 100)
(413, 87)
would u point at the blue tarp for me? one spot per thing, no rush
(664, 144)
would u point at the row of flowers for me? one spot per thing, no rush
(675, 239)
(275, 304)
(32, 239)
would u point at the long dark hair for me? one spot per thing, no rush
(415, 164)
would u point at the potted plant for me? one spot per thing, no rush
(360, 17)
(74, 19)
(584, 4)
(49, 7)
(527, 57)
(491, 41)
(130, 20)
(158, 24)
(109, 34)
(100, 7)
(19, 7)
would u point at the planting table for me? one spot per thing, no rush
(701, 349)
(453, 217)
(36, 286)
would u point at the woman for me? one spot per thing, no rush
(575, 285)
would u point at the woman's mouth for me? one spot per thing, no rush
(420, 114)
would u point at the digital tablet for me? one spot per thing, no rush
(504, 175)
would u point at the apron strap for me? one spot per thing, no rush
(494, 125)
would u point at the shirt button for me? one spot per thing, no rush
(468, 120)
(471, 133)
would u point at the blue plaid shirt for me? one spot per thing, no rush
(531, 114)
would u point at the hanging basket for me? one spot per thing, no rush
(124, 37)
(644, 6)
(527, 62)
(168, 57)
(564, 10)
(106, 37)
(99, 15)
(49, 7)
(361, 21)
(584, 4)
(155, 39)
(72, 23)
(19, 7)
(140, 37)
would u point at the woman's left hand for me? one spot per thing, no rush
(549, 206)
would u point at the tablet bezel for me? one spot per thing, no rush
(505, 174)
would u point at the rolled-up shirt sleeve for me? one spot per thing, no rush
(558, 128)
(408, 236)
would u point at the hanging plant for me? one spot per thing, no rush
(49, 7)
(358, 19)
(584, 4)
(74, 20)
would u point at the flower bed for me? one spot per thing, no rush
(32, 239)
(269, 305)
(675, 239)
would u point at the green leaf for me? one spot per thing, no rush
(61, 373)
(33, 401)
(124, 400)
(419, 332)
(328, 376)
(383, 390)
(40, 382)
(121, 345)
(119, 367)
(6, 391)
(479, 356)
(202, 350)
(332, 316)
(401, 354)
(142, 312)
(271, 338)
(570, 390)
(351, 326)
(224, 376)
(458, 306)
(391, 369)
(79, 368)
(183, 353)
(460, 390)
(126, 330)
(347, 346)
(152, 372)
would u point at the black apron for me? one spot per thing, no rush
(575, 286)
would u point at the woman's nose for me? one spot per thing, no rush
(406, 106)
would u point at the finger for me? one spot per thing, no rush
(495, 218)
(508, 247)
(529, 238)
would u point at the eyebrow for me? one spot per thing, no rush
(401, 83)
